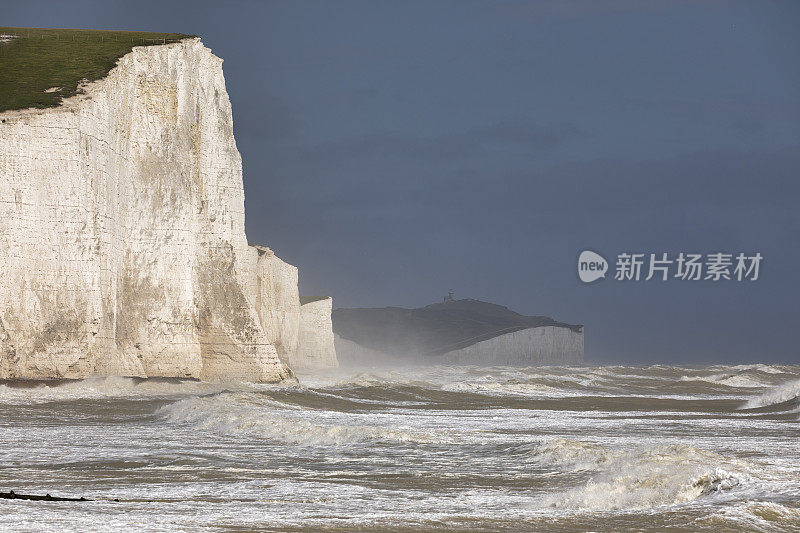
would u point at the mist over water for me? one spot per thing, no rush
(418, 448)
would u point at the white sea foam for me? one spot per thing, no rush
(574, 455)
(769, 369)
(554, 381)
(775, 395)
(729, 380)
(106, 387)
(637, 487)
(236, 415)
(389, 449)
(753, 516)
(504, 388)
(505, 381)
(640, 478)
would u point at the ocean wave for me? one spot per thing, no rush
(778, 394)
(234, 415)
(533, 382)
(754, 516)
(728, 380)
(539, 382)
(105, 387)
(341, 380)
(761, 367)
(573, 454)
(514, 388)
(639, 479)
(475, 380)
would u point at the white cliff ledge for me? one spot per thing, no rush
(540, 346)
(455, 331)
(315, 347)
(122, 242)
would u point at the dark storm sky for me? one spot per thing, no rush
(394, 150)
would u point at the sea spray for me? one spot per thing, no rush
(640, 478)
(778, 394)
(237, 415)
(614, 449)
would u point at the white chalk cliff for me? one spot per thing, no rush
(465, 331)
(544, 345)
(122, 242)
(315, 347)
(349, 353)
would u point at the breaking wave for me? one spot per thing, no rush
(768, 369)
(551, 382)
(106, 387)
(729, 380)
(754, 516)
(533, 382)
(237, 415)
(641, 478)
(776, 395)
(524, 382)
(611, 448)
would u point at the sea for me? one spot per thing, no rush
(609, 448)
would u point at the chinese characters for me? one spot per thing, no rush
(716, 266)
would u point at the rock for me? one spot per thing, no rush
(455, 331)
(316, 348)
(350, 353)
(122, 242)
(276, 300)
(544, 345)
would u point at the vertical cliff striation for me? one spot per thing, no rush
(455, 331)
(122, 242)
(350, 353)
(544, 345)
(276, 299)
(315, 347)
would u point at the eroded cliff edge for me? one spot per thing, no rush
(454, 332)
(122, 242)
(315, 347)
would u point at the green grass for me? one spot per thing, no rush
(39, 59)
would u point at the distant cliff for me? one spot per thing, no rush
(122, 243)
(315, 347)
(460, 331)
(542, 345)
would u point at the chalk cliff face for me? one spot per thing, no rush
(122, 243)
(546, 345)
(349, 353)
(455, 331)
(315, 349)
(274, 294)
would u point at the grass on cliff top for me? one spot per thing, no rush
(34, 60)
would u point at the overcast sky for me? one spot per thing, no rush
(395, 150)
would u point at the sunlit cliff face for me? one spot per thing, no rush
(123, 244)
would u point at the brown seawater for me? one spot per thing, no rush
(423, 448)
